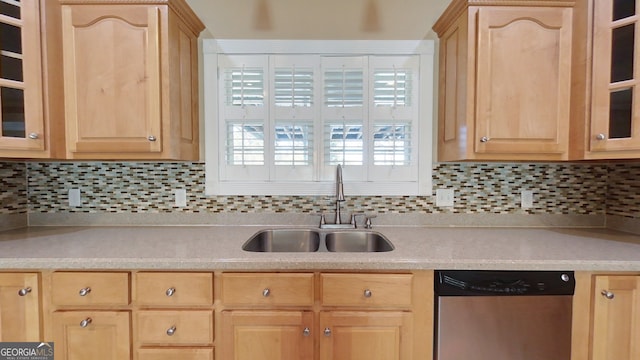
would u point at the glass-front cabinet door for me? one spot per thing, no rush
(615, 112)
(21, 107)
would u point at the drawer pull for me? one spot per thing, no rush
(170, 291)
(608, 294)
(306, 332)
(24, 292)
(266, 292)
(33, 136)
(151, 138)
(171, 331)
(367, 293)
(85, 291)
(327, 332)
(84, 323)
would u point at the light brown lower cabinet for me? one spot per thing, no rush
(175, 354)
(91, 334)
(616, 317)
(366, 335)
(267, 335)
(19, 307)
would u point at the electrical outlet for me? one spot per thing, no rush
(74, 198)
(181, 197)
(526, 199)
(445, 197)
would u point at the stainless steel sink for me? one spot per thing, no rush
(283, 240)
(310, 240)
(357, 241)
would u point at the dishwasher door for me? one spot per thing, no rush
(517, 324)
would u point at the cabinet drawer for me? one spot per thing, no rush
(193, 327)
(392, 290)
(173, 354)
(86, 288)
(173, 289)
(267, 289)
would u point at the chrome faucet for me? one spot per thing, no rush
(339, 198)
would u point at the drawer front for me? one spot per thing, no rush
(86, 288)
(267, 289)
(173, 289)
(188, 327)
(173, 354)
(387, 290)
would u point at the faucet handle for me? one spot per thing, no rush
(367, 222)
(353, 217)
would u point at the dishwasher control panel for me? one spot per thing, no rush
(503, 283)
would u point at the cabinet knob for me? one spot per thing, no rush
(266, 292)
(608, 294)
(306, 332)
(171, 330)
(85, 291)
(151, 138)
(84, 323)
(601, 137)
(327, 332)
(367, 293)
(170, 291)
(484, 139)
(24, 292)
(33, 136)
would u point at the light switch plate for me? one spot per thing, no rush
(526, 199)
(181, 197)
(445, 197)
(74, 198)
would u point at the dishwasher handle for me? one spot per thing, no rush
(503, 283)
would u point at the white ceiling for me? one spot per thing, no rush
(319, 19)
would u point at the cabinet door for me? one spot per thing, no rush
(523, 80)
(95, 335)
(19, 307)
(267, 335)
(21, 101)
(112, 78)
(616, 321)
(375, 335)
(615, 94)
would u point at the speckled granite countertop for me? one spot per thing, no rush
(219, 248)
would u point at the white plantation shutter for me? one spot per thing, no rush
(393, 114)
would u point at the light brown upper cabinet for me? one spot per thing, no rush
(130, 79)
(505, 80)
(607, 78)
(31, 97)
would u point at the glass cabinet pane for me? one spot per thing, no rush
(10, 38)
(620, 113)
(10, 8)
(12, 104)
(623, 9)
(622, 51)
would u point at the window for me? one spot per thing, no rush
(278, 122)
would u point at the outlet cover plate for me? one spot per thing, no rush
(526, 199)
(445, 197)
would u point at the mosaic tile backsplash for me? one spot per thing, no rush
(123, 187)
(13, 182)
(623, 193)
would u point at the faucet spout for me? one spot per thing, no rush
(339, 187)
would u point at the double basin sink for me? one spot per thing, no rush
(313, 240)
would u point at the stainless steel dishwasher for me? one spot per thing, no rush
(503, 315)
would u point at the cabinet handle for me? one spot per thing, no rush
(33, 136)
(601, 137)
(306, 332)
(266, 292)
(151, 138)
(608, 294)
(367, 293)
(484, 139)
(327, 332)
(85, 291)
(171, 330)
(24, 292)
(170, 291)
(84, 323)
